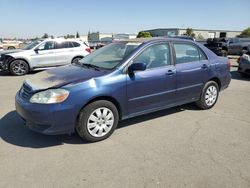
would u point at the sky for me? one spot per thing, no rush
(33, 18)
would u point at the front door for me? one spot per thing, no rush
(154, 87)
(44, 55)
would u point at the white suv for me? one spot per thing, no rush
(44, 54)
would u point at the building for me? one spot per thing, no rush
(97, 37)
(199, 33)
(123, 36)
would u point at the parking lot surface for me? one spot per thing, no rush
(178, 147)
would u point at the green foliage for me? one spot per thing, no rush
(245, 33)
(200, 37)
(190, 32)
(143, 34)
(77, 35)
(45, 36)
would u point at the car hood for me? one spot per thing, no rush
(5, 52)
(58, 77)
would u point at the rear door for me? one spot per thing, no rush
(192, 67)
(63, 52)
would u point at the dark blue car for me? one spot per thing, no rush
(121, 80)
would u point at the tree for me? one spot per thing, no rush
(143, 34)
(77, 35)
(245, 33)
(190, 32)
(45, 36)
(200, 37)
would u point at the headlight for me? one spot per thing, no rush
(50, 96)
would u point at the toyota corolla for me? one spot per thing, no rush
(119, 81)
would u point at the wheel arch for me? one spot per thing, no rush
(76, 57)
(106, 98)
(19, 59)
(217, 80)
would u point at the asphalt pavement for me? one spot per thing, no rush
(178, 147)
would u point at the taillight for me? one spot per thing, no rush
(238, 60)
(228, 64)
(88, 50)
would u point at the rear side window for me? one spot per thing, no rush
(60, 45)
(75, 44)
(186, 53)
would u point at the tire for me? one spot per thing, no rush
(224, 53)
(75, 60)
(93, 127)
(209, 95)
(243, 75)
(19, 67)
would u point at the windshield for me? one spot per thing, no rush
(31, 45)
(110, 56)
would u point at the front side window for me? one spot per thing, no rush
(186, 53)
(155, 56)
(49, 45)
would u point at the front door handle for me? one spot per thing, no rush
(170, 72)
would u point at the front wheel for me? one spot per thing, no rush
(97, 121)
(19, 67)
(209, 95)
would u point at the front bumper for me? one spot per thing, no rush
(50, 119)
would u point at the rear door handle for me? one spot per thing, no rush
(170, 72)
(204, 66)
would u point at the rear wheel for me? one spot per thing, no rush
(76, 60)
(19, 67)
(97, 121)
(209, 96)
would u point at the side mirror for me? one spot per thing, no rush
(36, 50)
(137, 67)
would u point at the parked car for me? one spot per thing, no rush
(244, 65)
(1, 46)
(119, 81)
(231, 46)
(42, 55)
(11, 44)
(218, 46)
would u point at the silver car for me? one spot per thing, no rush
(244, 65)
(43, 54)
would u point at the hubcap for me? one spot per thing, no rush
(19, 67)
(100, 122)
(76, 60)
(211, 95)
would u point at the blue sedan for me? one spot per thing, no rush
(119, 81)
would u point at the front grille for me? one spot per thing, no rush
(26, 92)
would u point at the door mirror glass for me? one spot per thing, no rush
(137, 67)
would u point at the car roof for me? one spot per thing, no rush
(155, 39)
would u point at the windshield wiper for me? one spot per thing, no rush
(91, 66)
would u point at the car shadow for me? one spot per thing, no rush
(13, 130)
(3, 73)
(237, 76)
